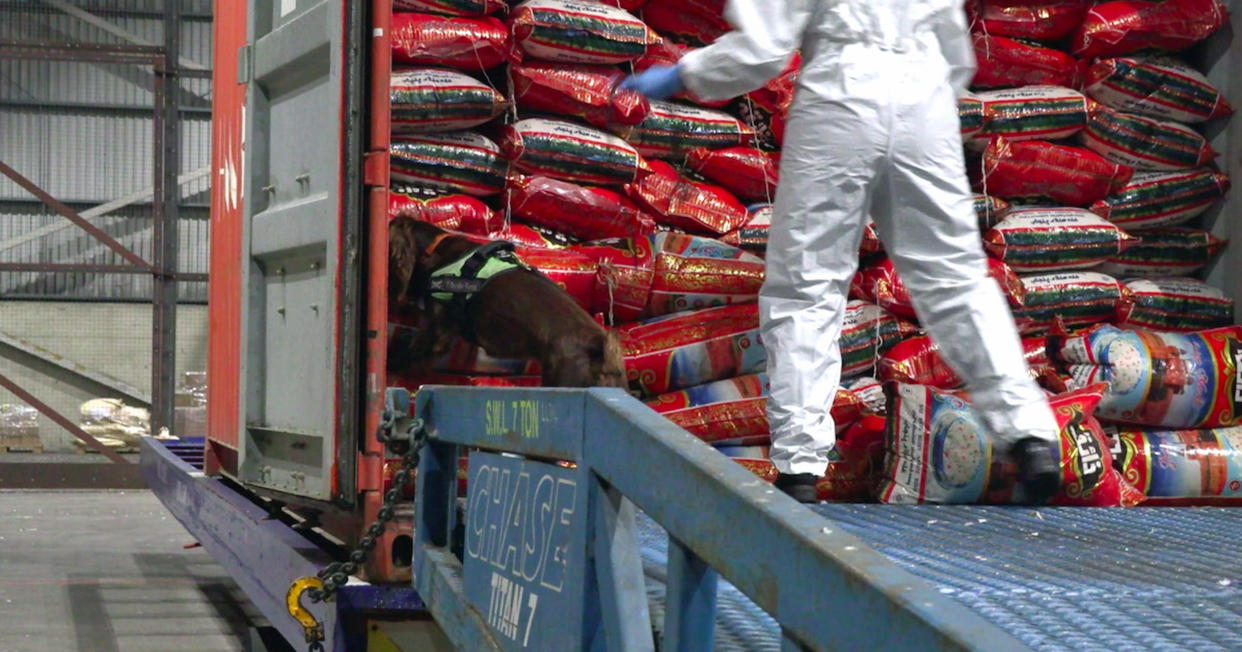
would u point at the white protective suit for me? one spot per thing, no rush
(873, 130)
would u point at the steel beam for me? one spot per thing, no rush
(45, 50)
(71, 373)
(120, 32)
(60, 419)
(166, 240)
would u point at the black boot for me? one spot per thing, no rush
(799, 486)
(1039, 470)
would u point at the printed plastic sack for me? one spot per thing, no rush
(1054, 239)
(697, 21)
(1006, 63)
(1153, 199)
(871, 242)
(1172, 251)
(749, 173)
(1078, 298)
(589, 213)
(1176, 304)
(990, 210)
(1184, 467)
(1146, 143)
(1029, 113)
(538, 237)
(681, 203)
(671, 130)
(1038, 20)
(1067, 175)
(461, 213)
(570, 152)
(880, 283)
(576, 31)
(1173, 380)
(1112, 29)
(572, 270)
(586, 92)
(766, 109)
(917, 361)
(852, 468)
(623, 281)
(456, 162)
(870, 391)
(753, 235)
(693, 348)
(472, 44)
(938, 451)
(426, 100)
(868, 332)
(1165, 89)
(693, 272)
(450, 7)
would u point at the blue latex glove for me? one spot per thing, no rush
(657, 82)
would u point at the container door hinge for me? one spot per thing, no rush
(398, 428)
(244, 65)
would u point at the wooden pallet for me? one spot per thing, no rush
(28, 442)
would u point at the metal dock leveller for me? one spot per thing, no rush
(545, 556)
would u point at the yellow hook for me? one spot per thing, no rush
(293, 604)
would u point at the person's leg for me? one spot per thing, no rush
(930, 230)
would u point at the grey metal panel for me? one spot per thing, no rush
(297, 392)
(1223, 59)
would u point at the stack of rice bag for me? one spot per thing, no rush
(1083, 138)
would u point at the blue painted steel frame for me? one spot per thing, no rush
(827, 588)
(261, 554)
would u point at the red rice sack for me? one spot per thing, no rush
(880, 283)
(1165, 89)
(671, 130)
(990, 211)
(1172, 251)
(584, 212)
(1077, 298)
(851, 473)
(455, 162)
(749, 173)
(572, 270)
(1153, 199)
(1054, 239)
(870, 391)
(1172, 380)
(1034, 169)
(1038, 20)
(698, 21)
(1176, 304)
(426, 100)
(681, 203)
(917, 361)
(871, 242)
(1112, 29)
(693, 273)
(1028, 113)
(450, 7)
(1145, 143)
(461, 213)
(693, 348)
(1006, 63)
(575, 31)
(570, 152)
(626, 271)
(1184, 467)
(586, 92)
(753, 235)
(472, 44)
(767, 108)
(938, 451)
(537, 237)
(868, 332)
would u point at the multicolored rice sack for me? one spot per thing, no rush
(1184, 467)
(693, 348)
(1154, 199)
(1037, 20)
(626, 270)
(1037, 169)
(672, 130)
(681, 203)
(1006, 63)
(1077, 298)
(990, 210)
(570, 152)
(699, 21)
(1028, 113)
(455, 162)
(581, 211)
(1172, 380)
(1171, 251)
(1176, 304)
(450, 7)
(1146, 143)
(471, 44)
(461, 213)
(749, 173)
(851, 473)
(917, 361)
(691, 273)
(1054, 239)
(426, 100)
(586, 92)
(868, 332)
(879, 282)
(753, 235)
(1113, 29)
(1162, 88)
(576, 31)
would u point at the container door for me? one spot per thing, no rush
(301, 252)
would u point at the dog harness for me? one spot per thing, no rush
(456, 283)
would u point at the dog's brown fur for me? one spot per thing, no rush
(518, 314)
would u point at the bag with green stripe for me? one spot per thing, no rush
(672, 130)
(1145, 143)
(1155, 199)
(1029, 113)
(1078, 298)
(428, 100)
(1162, 88)
(460, 161)
(1171, 251)
(1176, 304)
(575, 31)
(570, 152)
(1055, 239)
(990, 210)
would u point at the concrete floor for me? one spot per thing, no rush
(108, 572)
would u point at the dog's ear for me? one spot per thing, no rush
(403, 254)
